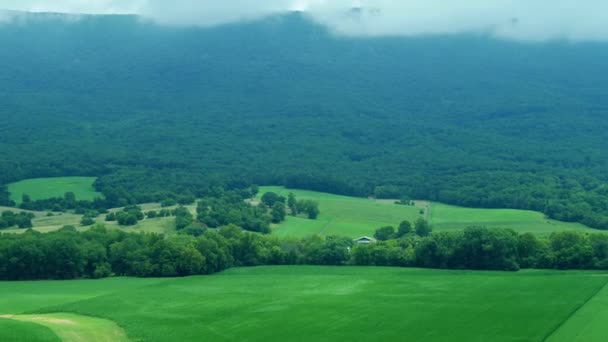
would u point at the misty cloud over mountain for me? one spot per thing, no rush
(529, 20)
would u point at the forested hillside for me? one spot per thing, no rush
(153, 110)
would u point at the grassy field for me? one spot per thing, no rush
(301, 303)
(356, 217)
(18, 298)
(70, 327)
(43, 188)
(17, 331)
(447, 217)
(587, 324)
(342, 215)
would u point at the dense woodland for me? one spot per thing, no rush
(99, 252)
(162, 112)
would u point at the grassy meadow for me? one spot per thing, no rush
(308, 303)
(447, 217)
(43, 188)
(355, 217)
(342, 215)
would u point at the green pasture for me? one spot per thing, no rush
(43, 188)
(307, 303)
(355, 217)
(342, 215)
(447, 217)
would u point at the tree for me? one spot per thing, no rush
(405, 200)
(110, 217)
(384, 233)
(126, 219)
(183, 218)
(270, 198)
(70, 200)
(278, 212)
(310, 207)
(292, 203)
(168, 202)
(422, 228)
(405, 228)
(87, 221)
(254, 190)
(571, 250)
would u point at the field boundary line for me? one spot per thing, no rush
(326, 226)
(577, 309)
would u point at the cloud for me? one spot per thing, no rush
(528, 20)
(75, 6)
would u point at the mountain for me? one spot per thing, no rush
(154, 109)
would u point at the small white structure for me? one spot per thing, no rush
(364, 240)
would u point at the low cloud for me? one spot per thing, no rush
(527, 20)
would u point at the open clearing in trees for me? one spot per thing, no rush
(347, 216)
(44, 188)
(355, 217)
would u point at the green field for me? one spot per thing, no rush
(342, 215)
(306, 303)
(43, 188)
(447, 217)
(17, 331)
(355, 217)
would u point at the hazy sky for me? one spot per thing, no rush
(514, 19)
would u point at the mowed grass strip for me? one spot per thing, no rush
(44, 188)
(16, 331)
(348, 303)
(76, 328)
(355, 217)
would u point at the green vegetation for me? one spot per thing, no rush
(22, 297)
(76, 328)
(446, 217)
(16, 331)
(45, 188)
(588, 323)
(355, 217)
(341, 215)
(329, 304)
(477, 122)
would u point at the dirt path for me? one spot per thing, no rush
(76, 328)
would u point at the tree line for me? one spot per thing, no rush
(100, 252)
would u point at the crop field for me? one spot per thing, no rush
(43, 188)
(355, 217)
(309, 303)
(17, 331)
(20, 297)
